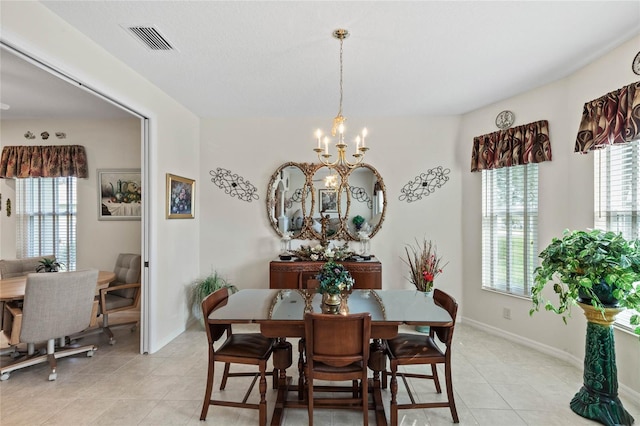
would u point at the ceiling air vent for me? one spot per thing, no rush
(150, 37)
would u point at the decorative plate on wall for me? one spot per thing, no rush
(635, 65)
(505, 119)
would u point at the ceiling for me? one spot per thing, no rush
(275, 59)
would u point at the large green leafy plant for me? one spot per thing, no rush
(596, 267)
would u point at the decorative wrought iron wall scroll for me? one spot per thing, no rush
(424, 184)
(234, 185)
(296, 197)
(360, 194)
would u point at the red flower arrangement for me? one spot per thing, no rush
(424, 264)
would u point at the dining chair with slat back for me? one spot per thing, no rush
(337, 349)
(238, 348)
(412, 349)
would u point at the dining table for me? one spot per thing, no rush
(13, 288)
(280, 315)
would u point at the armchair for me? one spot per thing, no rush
(122, 294)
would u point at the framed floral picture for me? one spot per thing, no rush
(180, 197)
(328, 201)
(119, 194)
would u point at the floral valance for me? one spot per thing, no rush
(43, 161)
(613, 118)
(518, 145)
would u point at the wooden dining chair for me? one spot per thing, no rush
(239, 348)
(411, 349)
(337, 349)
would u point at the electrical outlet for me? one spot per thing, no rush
(506, 313)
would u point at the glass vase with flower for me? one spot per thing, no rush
(424, 266)
(333, 280)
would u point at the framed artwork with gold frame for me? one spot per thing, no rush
(181, 196)
(328, 201)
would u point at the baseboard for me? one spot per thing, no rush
(626, 391)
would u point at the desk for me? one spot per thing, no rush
(13, 288)
(280, 314)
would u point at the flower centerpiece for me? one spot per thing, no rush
(333, 278)
(424, 264)
(323, 253)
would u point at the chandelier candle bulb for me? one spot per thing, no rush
(326, 145)
(318, 136)
(364, 135)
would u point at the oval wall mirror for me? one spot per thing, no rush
(303, 196)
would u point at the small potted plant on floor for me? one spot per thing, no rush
(203, 287)
(594, 267)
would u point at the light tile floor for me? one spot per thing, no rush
(496, 383)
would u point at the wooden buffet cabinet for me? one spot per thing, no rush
(296, 274)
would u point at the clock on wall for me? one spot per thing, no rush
(505, 119)
(635, 65)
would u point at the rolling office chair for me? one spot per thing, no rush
(55, 305)
(123, 293)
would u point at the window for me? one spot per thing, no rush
(46, 218)
(617, 189)
(510, 228)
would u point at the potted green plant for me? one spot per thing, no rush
(203, 287)
(48, 264)
(358, 221)
(595, 267)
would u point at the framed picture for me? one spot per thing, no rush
(120, 194)
(328, 201)
(180, 197)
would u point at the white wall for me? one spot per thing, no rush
(565, 201)
(174, 142)
(236, 237)
(109, 144)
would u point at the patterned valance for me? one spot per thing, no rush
(518, 145)
(43, 161)
(613, 118)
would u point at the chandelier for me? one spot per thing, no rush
(360, 147)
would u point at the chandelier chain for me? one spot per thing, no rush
(341, 91)
(338, 128)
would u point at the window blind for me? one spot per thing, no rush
(510, 228)
(46, 218)
(616, 188)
